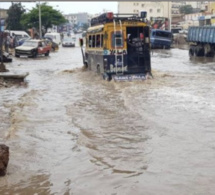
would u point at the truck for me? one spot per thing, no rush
(201, 41)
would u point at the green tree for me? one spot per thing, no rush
(49, 17)
(14, 16)
(186, 9)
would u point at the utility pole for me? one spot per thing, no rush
(40, 23)
(2, 66)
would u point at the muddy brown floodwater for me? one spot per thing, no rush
(70, 132)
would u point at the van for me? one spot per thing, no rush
(18, 34)
(54, 36)
(161, 38)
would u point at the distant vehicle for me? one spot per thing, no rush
(33, 48)
(160, 38)
(175, 31)
(84, 33)
(73, 37)
(68, 42)
(54, 36)
(183, 33)
(49, 41)
(18, 34)
(6, 57)
(201, 41)
(22, 40)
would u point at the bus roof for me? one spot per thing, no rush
(109, 17)
(96, 28)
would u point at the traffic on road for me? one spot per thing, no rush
(71, 132)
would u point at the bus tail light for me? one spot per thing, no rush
(109, 15)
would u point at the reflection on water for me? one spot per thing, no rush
(38, 184)
(206, 64)
(70, 132)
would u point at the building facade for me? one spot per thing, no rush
(3, 13)
(78, 18)
(153, 9)
(3, 16)
(211, 7)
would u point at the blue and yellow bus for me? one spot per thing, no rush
(118, 46)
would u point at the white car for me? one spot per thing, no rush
(68, 42)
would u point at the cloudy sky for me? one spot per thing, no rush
(75, 7)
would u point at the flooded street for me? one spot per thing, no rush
(70, 132)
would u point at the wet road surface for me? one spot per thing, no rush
(70, 132)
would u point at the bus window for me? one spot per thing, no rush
(98, 41)
(94, 41)
(102, 36)
(90, 41)
(117, 39)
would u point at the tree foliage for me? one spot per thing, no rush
(186, 9)
(14, 16)
(49, 17)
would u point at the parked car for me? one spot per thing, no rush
(68, 42)
(22, 40)
(6, 57)
(33, 48)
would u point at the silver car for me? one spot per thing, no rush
(68, 42)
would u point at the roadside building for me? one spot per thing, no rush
(3, 16)
(3, 13)
(153, 9)
(158, 13)
(177, 17)
(192, 19)
(212, 10)
(211, 7)
(77, 18)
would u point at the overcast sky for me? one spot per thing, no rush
(75, 7)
